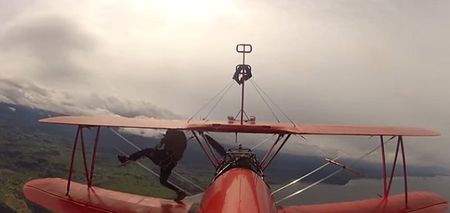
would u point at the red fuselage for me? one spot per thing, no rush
(239, 190)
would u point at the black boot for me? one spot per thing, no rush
(122, 158)
(180, 196)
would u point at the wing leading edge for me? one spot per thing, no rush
(50, 193)
(227, 126)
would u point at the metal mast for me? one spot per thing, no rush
(243, 73)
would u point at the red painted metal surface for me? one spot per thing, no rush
(213, 160)
(420, 202)
(74, 148)
(50, 194)
(242, 100)
(266, 156)
(225, 126)
(238, 191)
(383, 162)
(83, 152)
(270, 159)
(214, 157)
(394, 165)
(94, 152)
(405, 175)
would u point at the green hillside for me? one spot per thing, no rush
(26, 155)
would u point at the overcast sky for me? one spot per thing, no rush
(338, 61)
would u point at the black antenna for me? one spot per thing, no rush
(243, 73)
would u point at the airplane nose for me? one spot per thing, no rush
(238, 190)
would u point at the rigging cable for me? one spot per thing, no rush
(218, 101)
(311, 185)
(262, 142)
(304, 176)
(334, 173)
(211, 100)
(265, 102)
(276, 105)
(322, 153)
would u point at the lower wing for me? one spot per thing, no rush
(50, 193)
(423, 202)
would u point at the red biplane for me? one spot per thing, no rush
(238, 185)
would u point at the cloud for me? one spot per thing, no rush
(72, 103)
(54, 43)
(346, 62)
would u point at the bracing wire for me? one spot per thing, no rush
(226, 88)
(262, 142)
(218, 101)
(322, 153)
(265, 102)
(124, 139)
(137, 148)
(276, 105)
(370, 152)
(304, 176)
(308, 187)
(355, 161)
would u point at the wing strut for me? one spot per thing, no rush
(97, 137)
(394, 165)
(69, 179)
(207, 150)
(383, 161)
(88, 173)
(270, 155)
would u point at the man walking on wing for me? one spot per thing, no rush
(166, 155)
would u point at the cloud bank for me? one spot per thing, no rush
(345, 62)
(73, 103)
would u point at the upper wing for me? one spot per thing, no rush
(361, 130)
(118, 121)
(226, 126)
